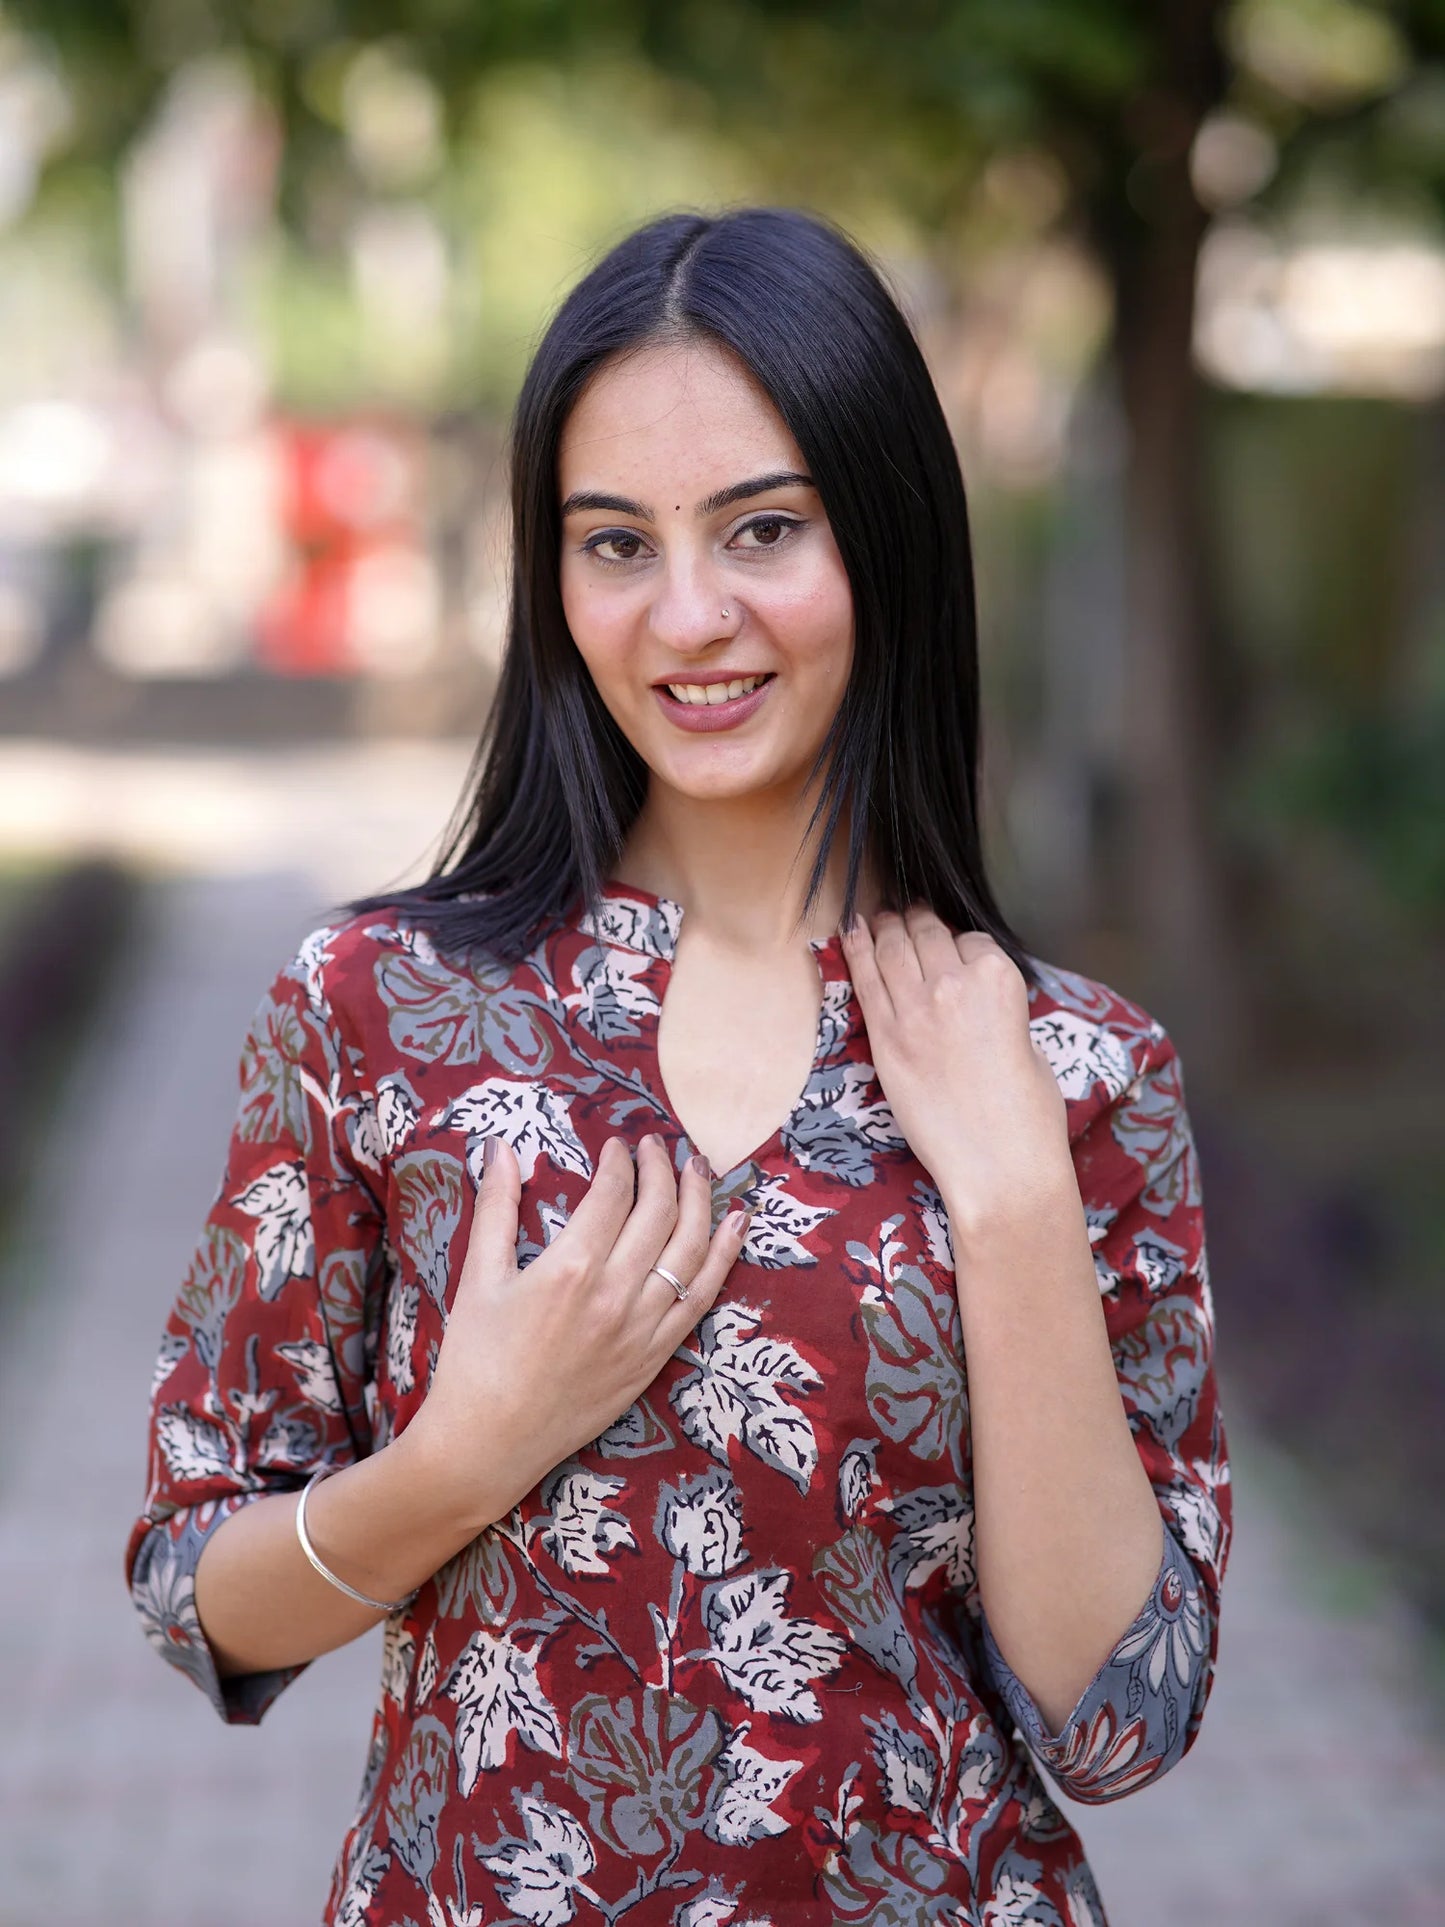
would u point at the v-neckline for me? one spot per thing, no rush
(655, 936)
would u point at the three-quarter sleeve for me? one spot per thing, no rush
(265, 1361)
(1138, 1172)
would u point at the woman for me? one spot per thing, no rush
(716, 1588)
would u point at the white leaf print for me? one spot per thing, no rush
(1081, 1054)
(608, 993)
(763, 1654)
(1011, 1904)
(426, 1671)
(780, 1223)
(907, 1767)
(495, 1686)
(173, 1348)
(401, 1336)
(315, 1374)
(382, 1123)
(193, 1448)
(936, 1231)
(856, 1476)
(700, 1521)
(580, 1530)
(833, 1017)
(313, 954)
(871, 1118)
(398, 1649)
(541, 1877)
(396, 1114)
(742, 1811)
(534, 1120)
(363, 1879)
(281, 1204)
(737, 1393)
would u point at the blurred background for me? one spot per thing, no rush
(270, 271)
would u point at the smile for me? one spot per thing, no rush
(709, 706)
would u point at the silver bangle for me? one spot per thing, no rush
(377, 1605)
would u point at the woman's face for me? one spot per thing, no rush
(695, 553)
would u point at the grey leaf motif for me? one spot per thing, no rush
(767, 1657)
(737, 1393)
(612, 992)
(853, 1577)
(842, 1127)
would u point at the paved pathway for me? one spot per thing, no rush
(1314, 1794)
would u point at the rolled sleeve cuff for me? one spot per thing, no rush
(163, 1589)
(1131, 1721)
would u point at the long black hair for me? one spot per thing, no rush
(554, 785)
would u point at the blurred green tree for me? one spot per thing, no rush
(843, 102)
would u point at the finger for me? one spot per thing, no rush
(685, 1252)
(873, 995)
(650, 1223)
(598, 1219)
(492, 1240)
(897, 959)
(681, 1316)
(933, 943)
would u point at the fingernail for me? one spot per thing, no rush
(738, 1222)
(700, 1164)
(489, 1151)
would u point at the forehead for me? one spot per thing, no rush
(686, 412)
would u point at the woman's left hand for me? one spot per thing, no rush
(948, 1028)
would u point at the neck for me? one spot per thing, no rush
(737, 866)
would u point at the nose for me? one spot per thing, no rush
(686, 613)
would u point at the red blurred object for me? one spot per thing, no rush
(350, 491)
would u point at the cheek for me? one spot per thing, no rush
(812, 621)
(601, 628)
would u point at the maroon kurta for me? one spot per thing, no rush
(728, 1662)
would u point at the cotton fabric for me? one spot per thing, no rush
(728, 1663)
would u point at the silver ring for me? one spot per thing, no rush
(678, 1286)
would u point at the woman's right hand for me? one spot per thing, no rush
(537, 1362)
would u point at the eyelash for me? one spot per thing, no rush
(592, 546)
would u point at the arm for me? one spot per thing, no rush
(265, 1365)
(385, 1525)
(1101, 1492)
(1101, 1476)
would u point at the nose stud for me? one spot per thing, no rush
(724, 615)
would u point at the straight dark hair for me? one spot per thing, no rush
(554, 786)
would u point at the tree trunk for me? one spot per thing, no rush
(1178, 900)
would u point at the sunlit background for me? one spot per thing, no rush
(270, 271)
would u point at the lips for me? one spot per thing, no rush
(703, 718)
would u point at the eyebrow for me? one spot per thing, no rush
(581, 499)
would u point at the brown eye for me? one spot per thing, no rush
(768, 531)
(625, 541)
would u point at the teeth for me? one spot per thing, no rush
(713, 692)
